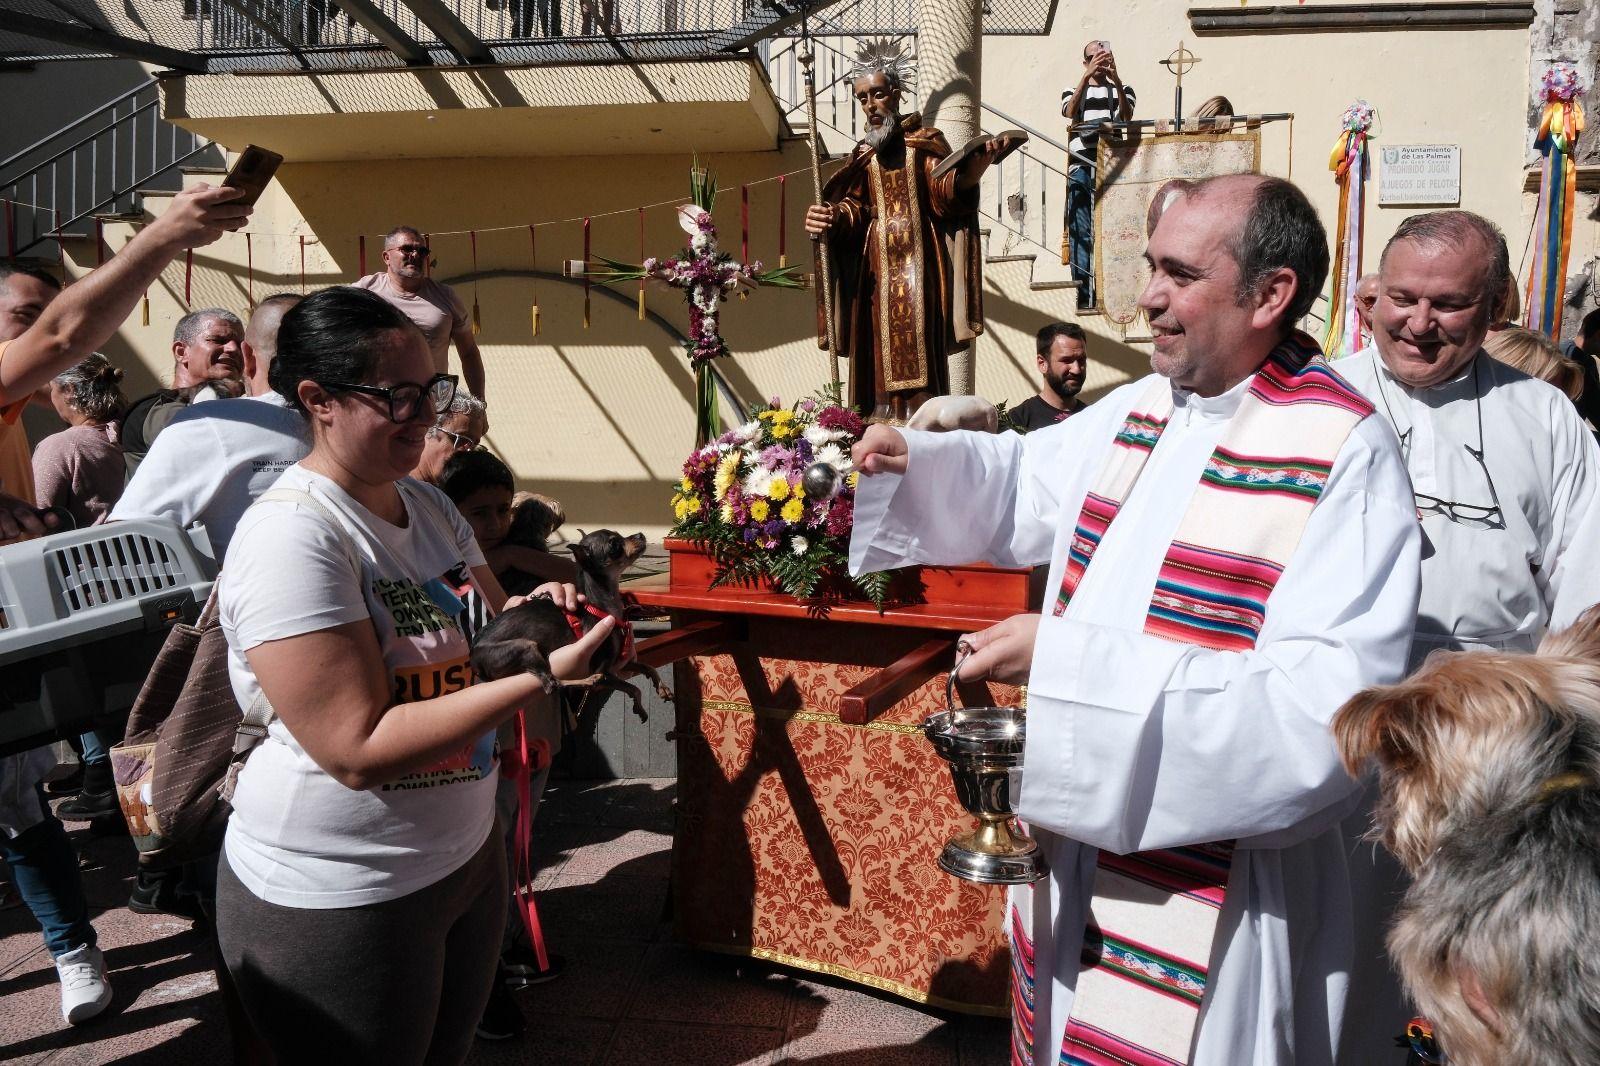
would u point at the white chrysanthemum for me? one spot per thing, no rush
(835, 457)
(820, 435)
(798, 545)
(701, 243)
(758, 481)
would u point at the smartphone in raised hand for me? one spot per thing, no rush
(252, 171)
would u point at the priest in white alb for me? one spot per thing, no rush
(1233, 552)
(1507, 486)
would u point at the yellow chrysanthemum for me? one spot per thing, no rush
(759, 510)
(767, 415)
(783, 416)
(726, 513)
(778, 490)
(686, 485)
(727, 470)
(852, 477)
(793, 511)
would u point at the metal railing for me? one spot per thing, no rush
(94, 164)
(270, 24)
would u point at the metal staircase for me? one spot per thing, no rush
(94, 166)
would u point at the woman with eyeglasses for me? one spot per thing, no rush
(362, 890)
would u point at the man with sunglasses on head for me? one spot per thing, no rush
(1507, 484)
(434, 307)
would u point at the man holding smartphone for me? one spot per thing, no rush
(1099, 96)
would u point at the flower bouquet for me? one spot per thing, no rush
(774, 499)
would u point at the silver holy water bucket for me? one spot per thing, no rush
(983, 745)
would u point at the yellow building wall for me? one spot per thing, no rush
(600, 418)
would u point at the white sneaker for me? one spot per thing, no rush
(85, 991)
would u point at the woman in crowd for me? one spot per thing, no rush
(361, 894)
(1537, 356)
(80, 470)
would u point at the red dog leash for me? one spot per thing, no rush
(528, 757)
(575, 621)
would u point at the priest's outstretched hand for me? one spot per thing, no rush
(1003, 652)
(881, 450)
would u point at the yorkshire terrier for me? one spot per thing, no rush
(1489, 771)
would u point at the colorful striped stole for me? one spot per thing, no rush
(1154, 915)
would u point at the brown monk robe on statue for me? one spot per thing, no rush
(903, 246)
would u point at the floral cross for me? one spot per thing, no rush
(706, 274)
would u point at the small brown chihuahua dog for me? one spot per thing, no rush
(521, 639)
(1489, 770)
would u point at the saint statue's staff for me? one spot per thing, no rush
(807, 58)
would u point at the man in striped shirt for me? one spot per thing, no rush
(1099, 96)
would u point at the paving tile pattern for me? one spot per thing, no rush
(629, 994)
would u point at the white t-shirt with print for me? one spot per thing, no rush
(297, 837)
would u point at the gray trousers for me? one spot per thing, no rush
(403, 981)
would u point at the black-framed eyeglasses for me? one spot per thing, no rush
(459, 441)
(1465, 512)
(405, 399)
(411, 249)
(1490, 516)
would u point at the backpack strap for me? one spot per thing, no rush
(258, 716)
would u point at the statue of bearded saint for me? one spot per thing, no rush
(904, 250)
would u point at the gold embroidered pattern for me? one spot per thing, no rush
(902, 326)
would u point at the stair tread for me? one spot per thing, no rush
(1046, 286)
(1024, 258)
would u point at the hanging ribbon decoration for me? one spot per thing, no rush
(249, 273)
(477, 319)
(99, 243)
(11, 230)
(1559, 127)
(783, 220)
(188, 278)
(641, 259)
(586, 276)
(427, 264)
(302, 264)
(744, 232)
(533, 244)
(361, 253)
(1350, 165)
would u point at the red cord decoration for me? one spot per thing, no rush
(11, 229)
(99, 243)
(188, 276)
(249, 273)
(744, 223)
(361, 244)
(477, 320)
(586, 275)
(783, 219)
(302, 264)
(533, 247)
(641, 259)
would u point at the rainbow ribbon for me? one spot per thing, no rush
(1559, 127)
(1350, 165)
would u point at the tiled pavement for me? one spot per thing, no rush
(629, 995)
